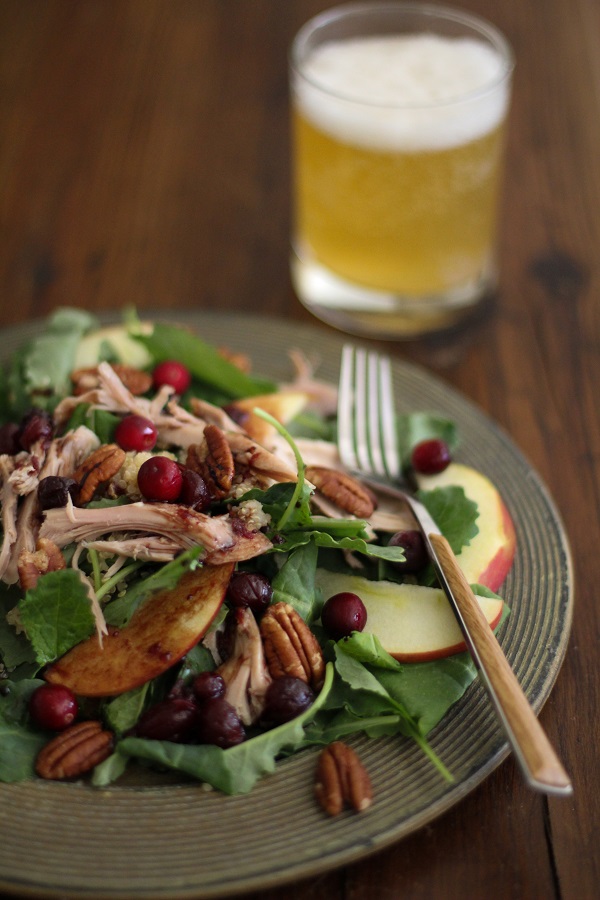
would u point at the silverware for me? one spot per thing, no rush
(367, 443)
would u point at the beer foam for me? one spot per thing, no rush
(404, 92)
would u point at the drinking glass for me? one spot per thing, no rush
(399, 114)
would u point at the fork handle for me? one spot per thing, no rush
(539, 762)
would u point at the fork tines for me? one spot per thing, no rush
(366, 416)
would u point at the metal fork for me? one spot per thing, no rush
(367, 442)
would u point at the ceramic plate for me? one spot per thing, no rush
(174, 840)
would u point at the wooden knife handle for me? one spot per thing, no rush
(538, 760)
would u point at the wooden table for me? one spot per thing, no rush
(144, 161)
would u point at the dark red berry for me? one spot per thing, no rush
(219, 724)
(342, 614)
(239, 416)
(174, 719)
(208, 685)
(415, 552)
(160, 479)
(286, 698)
(250, 589)
(136, 433)
(36, 425)
(172, 373)
(194, 490)
(431, 456)
(53, 707)
(54, 491)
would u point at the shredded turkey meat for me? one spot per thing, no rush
(245, 672)
(218, 535)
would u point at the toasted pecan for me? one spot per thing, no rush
(342, 780)
(213, 460)
(46, 557)
(100, 466)
(290, 646)
(135, 380)
(75, 751)
(343, 490)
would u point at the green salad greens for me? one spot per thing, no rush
(96, 591)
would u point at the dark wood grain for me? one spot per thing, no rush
(144, 161)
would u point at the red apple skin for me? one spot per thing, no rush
(490, 555)
(497, 570)
(159, 634)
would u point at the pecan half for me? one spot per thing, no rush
(213, 460)
(290, 646)
(99, 466)
(74, 751)
(135, 380)
(45, 558)
(342, 780)
(343, 490)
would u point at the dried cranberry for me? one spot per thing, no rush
(136, 433)
(9, 438)
(286, 698)
(431, 456)
(194, 491)
(342, 614)
(53, 707)
(174, 719)
(413, 544)
(159, 478)
(36, 425)
(173, 373)
(219, 724)
(207, 685)
(54, 491)
(249, 589)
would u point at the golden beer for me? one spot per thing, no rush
(398, 142)
(413, 223)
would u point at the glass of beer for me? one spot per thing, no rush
(399, 113)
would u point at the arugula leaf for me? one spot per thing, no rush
(202, 359)
(15, 649)
(100, 421)
(295, 582)
(56, 614)
(49, 360)
(19, 743)
(454, 514)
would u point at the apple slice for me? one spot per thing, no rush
(489, 556)
(283, 405)
(129, 351)
(413, 623)
(159, 633)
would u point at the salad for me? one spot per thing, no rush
(189, 579)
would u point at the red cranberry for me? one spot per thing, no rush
(208, 685)
(174, 719)
(342, 614)
(172, 373)
(36, 425)
(159, 478)
(136, 433)
(286, 698)
(53, 707)
(250, 589)
(194, 490)
(219, 724)
(431, 456)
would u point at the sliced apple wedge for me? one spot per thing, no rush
(489, 556)
(129, 351)
(159, 633)
(283, 405)
(413, 623)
